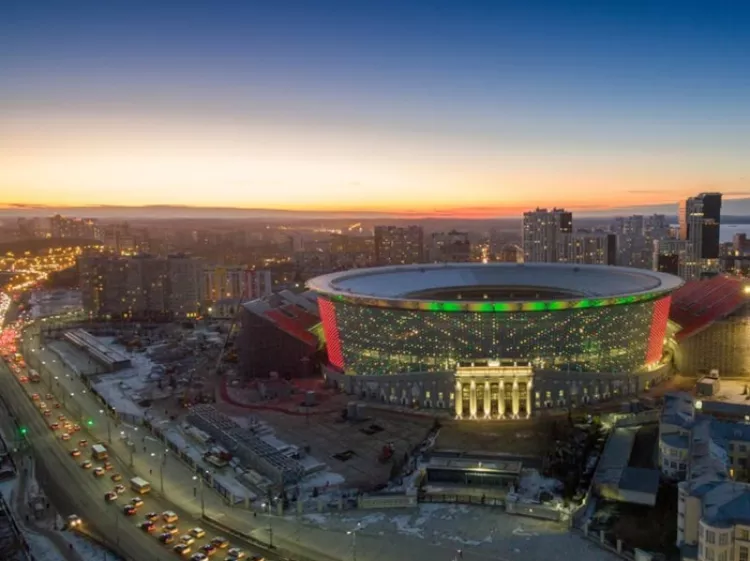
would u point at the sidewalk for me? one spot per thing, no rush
(42, 527)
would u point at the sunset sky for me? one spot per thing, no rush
(459, 106)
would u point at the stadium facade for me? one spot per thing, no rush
(494, 340)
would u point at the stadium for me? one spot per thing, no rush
(494, 340)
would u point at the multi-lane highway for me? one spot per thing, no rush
(77, 488)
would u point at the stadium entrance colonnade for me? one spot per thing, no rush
(493, 392)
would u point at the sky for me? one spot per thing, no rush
(468, 108)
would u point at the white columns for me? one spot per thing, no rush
(515, 397)
(473, 400)
(487, 401)
(501, 399)
(458, 401)
(529, 388)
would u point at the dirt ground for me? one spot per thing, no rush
(523, 438)
(349, 448)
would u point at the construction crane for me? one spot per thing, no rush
(187, 397)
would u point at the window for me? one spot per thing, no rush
(743, 448)
(722, 556)
(724, 539)
(709, 554)
(710, 537)
(742, 534)
(743, 553)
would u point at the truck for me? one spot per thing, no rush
(99, 452)
(140, 486)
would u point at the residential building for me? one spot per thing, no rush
(587, 248)
(234, 282)
(64, 227)
(141, 286)
(677, 257)
(396, 245)
(699, 224)
(542, 231)
(450, 247)
(635, 239)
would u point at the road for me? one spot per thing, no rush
(77, 488)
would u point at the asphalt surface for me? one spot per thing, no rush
(106, 518)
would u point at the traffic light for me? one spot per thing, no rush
(90, 422)
(23, 431)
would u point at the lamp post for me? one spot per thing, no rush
(200, 483)
(109, 426)
(162, 461)
(267, 508)
(353, 534)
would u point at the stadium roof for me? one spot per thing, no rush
(289, 312)
(698, 304)
(573, 286)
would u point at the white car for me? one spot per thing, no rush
(235, 553)
(187, 539)
(197, 533)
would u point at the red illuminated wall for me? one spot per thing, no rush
(658, 329)
(331, 330)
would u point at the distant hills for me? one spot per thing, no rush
(733, 211)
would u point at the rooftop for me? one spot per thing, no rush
(698, 304)
(553, 284)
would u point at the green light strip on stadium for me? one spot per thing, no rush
(497, 307)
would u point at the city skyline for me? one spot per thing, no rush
(478, 110)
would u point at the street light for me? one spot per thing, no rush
(109, 426)
(270, 527)
(353, 534)
(203, 504)
(162, 461)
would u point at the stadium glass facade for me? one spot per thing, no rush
(620, 337)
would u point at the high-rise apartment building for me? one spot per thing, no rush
(587, 248)
(635, 239)
(237, 282)
(140, 286)
(395, 245)
(700, 221)
(450, 247)
(677, 257)
(64, 227)
(542, 232)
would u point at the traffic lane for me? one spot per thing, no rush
(152, 501)
(83, 494)
(88, 404)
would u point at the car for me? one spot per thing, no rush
(24, 379)
(111, 496)
(49, 397)
(76, 427)
(209, 549)
(116, 477)
(197, 533)
(220, 542)
(54, 426)
(257, 558)
(57, 406)
(198, 557)
(235, 553)
(65, 436)
(47, 413)
(182, 549)
(62, 418)
(137, 502)
(147, 526)
(83, 443)
(170, 529)
(87, 464)
(98, 472)
(74, 521)
(129, 510)
(75, 452)
(151, 516)
(35, 397)
(108, 466)
(188, 539)
(169, 516)
(119, 489)
(166, 538)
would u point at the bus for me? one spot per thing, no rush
(99, 452)
(140, 486)
(34, 376)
